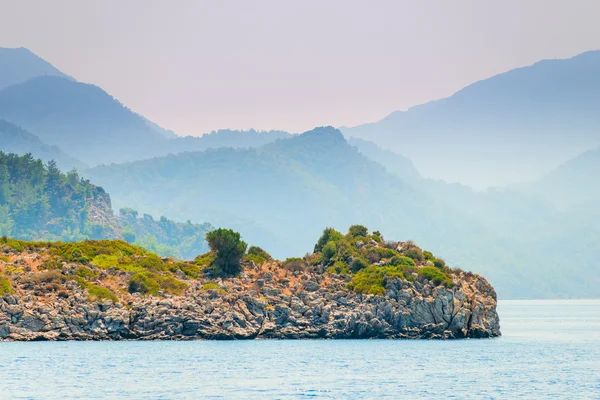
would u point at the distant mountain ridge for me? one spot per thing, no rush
(20, 65)
(573, 184)
(16, 140)
(512, 127)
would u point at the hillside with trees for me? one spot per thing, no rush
(39, 202)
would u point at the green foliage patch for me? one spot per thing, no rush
(5, 285)
(148, 282)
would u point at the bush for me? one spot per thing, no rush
(212, 286)
(436, 276)
(50, 264)
(85, 273)
(373, 256)
(329, 250)
(147, 282)
(384, 252)
(95, 292)
(339, 267)
(229, 250)
(5, 286)
(358, 264)
(345, 251)
(259, 252)
(329, 235)
(50, 276)
(372, 279)
(402, 260)
(144, 283)
(15, 244)
(439, 263)
(358, 231)
(205, 260)
(294, 264)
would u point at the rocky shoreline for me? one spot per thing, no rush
(264, 302)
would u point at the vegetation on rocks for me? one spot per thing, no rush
(371, 261)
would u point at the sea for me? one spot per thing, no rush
(548, 350)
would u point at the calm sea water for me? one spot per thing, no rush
(550, 349)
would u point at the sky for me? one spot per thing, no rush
(197, 66)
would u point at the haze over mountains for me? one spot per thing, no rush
(280, 190)
(512, 127)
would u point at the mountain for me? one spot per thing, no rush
(512, 127)
(16, 140)
(224, 138)
(572, 185)
(393, 162)
(20, 65)
(39, 202)
(81, 119)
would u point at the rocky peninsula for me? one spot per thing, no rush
(353, 286)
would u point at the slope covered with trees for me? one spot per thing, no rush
(39, 202)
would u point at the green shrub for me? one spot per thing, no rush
(172, 285)
(5, 285)
(259, 252)
(212, 286)
(151, 262)
(329, 235)
(372, 279)
(229, 250)
(147, 282)
(415, 253)
(358, 231)
(315, 259)
(428, 255)
(339, 267)
(436, 276)
(439, 263)
(99, 293)
(358, 264)
(345, 251)
(191, 270)
(15, 244)
(384, 252)
(144, 283)
(329, 250)
(4, 258)
(402, 260)
(50, 264)
(205, 260)
(85, 273)
(95, 292)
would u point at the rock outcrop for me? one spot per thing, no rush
(265, 302)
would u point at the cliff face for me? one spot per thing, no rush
(266, 301)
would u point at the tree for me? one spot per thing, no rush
(358, 231)
(229, 249)
(329, 234)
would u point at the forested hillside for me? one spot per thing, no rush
(39, 202)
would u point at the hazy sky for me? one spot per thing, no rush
(195, 66)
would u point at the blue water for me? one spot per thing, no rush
(550, 349)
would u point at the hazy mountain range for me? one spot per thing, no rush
(539, 239)
(512, 127)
